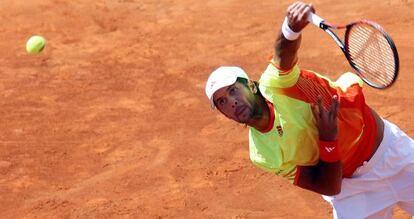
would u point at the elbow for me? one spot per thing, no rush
(333, 190)
(331, 182)
(337, 189)
(322, 188)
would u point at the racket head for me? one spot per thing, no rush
(372, 53)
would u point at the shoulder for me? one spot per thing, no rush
(274, 76)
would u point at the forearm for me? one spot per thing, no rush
(288, 41)
(324, 178)
(286, 52)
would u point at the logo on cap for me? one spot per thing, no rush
(212, 84)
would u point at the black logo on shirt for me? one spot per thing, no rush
(279, 130)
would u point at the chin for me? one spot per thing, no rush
(243, 121)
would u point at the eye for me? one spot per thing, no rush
(232, 90)
(221, 101)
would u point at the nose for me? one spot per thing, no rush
(234, 104)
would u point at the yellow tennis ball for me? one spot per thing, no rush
(35, 45)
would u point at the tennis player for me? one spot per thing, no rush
(318, 133)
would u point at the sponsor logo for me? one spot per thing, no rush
(279, 130)
(329, 149)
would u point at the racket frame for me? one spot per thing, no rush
(327, 27)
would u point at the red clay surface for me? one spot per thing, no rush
(111, 119)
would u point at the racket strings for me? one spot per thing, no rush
(368, 54)
(371, 53)
(374, 47)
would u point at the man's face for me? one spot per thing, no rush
(236, 102)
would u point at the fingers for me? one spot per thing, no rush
(326, 118)
(301, 11)
(298, 10)
(334, 107)
(321, 112)
(291, 14)
(316, 112)
(306, 11)
(324, 113)
(297, 14)
(320, 104)
(312, 9)
(332, 111)
(291, 7)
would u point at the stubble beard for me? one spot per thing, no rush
(256, 112)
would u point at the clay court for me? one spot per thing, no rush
(111, 119)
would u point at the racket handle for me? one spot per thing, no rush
(315, 19)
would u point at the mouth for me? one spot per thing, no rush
(239, 111)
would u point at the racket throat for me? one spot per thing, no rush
(336, 39)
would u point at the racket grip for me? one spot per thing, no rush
(315, 19)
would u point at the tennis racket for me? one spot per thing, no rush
(368, 49)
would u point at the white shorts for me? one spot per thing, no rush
(386, 180)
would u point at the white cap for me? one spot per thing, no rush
(223, 77)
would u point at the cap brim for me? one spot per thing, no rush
(213, 106)
(224, 83)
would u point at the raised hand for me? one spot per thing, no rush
(326, 119)
(297, 15)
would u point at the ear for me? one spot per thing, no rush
(252, 86)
